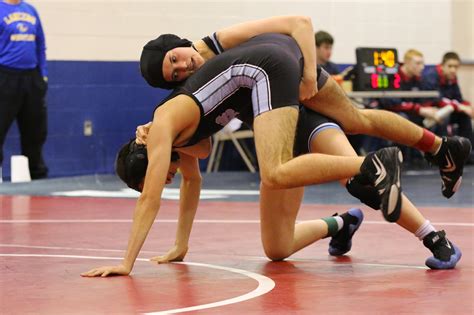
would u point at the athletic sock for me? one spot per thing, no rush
(439, 148)
(340, 222)
(335, 224)
(425, 229)
(426, 142)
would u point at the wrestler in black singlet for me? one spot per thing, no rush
(252, 73)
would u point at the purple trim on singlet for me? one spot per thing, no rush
(319, 129)
(216, 42)
(226, 83)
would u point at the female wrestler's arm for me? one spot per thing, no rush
(172, 119)
(188, 202)
(298, 27)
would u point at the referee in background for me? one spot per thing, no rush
(23, 81)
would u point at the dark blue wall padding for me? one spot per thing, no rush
(112, 95)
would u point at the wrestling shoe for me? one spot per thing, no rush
(445, 254)
(383, 169)
(341, 243)
(451, 158)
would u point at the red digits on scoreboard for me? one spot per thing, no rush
(396, 81)
(374, 80)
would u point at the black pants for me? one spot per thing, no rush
(464, 124)
(22, 97)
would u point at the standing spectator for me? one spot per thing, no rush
(324, 42)
(23, 81)
(444, 79)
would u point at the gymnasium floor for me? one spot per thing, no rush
(52, 230)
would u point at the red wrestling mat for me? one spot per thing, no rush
(46, 242)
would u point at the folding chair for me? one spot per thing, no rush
(230, 132)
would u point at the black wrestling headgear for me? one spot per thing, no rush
(132, 162)
(153, 54)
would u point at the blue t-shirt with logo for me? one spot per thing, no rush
(22, 44)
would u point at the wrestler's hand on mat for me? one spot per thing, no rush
(308, 86)
(176, 253)
(142, 133)
(119, 270)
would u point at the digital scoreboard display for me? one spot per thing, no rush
(376, 70)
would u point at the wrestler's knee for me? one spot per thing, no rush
(360, 187)
(274, 178)
(276, 254)
(270, 179)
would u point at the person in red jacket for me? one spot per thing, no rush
(410, 72)
(414, 109)
(444, 79)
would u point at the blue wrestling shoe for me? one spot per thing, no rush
(445, 254)
(341, 243)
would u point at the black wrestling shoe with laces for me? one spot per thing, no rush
(341, 243)
(451, 158)
(445, 254)
(383, 169)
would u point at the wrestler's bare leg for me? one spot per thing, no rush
(274, 139)
(333, 141)
(332, 101)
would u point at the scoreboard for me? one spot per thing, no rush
(376, 70)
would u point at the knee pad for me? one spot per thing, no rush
(360, 187)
